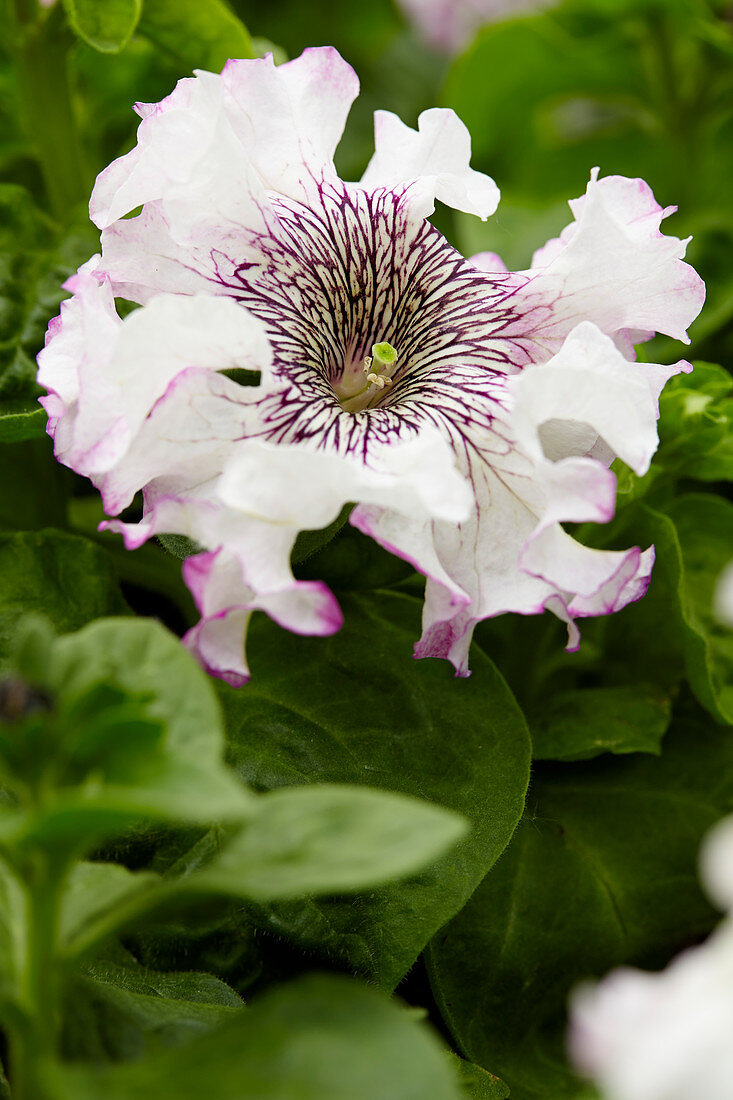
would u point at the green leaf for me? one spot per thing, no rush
(106, 25)
(142, 657)
(196, 33)
(320, 1038)
(21, 420)
(580, 724)
(129, 729)
(189, 780)
(356, 708)
(671, 632)
(328, 839)
(68, 579)
(95, 893)
(602, 871)
(477, 1083)
(118, 1009)
(705, 530)
(535, 94)
(35, 259)
(696, 424)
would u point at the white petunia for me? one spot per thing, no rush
(666, 1036)
(465, 410)
(449, 25)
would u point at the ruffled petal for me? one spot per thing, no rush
(614, 267)
(189, 160)
(290, 117)
(305, 488)
(434, 159)
(590, 391)
(226, 602)
(513, 554)
(88, 319)
(121, 379)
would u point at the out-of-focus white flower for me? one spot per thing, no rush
(449, 25)
(466, 411)
(723, 605)
(666, 1036)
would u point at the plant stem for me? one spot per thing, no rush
(33, 1041)
(49, 116)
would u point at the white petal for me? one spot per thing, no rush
(290, 484)
(662, 1036)
(435, 158)
(184, 442)
(88, 319)
(121, 377)
(723, 599)
(590, 390)
(188, 158)
(716, 863)
(614, 267)
(290, 117)
(226, 603)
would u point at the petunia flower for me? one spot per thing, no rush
(666, 1035)
(465, 410)
(449, 25)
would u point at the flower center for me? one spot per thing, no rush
(354, 392)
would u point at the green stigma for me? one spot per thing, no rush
(383, 355)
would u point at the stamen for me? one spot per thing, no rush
(381, 364)
(378, 368)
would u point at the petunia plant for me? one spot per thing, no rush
(114, 725)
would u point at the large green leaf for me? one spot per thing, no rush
(601, 871)
(67, 578)
(196, 33)
(117, 1008)
(580, 724)
(188, 779)
(107, 25)
(320, 1038)
(327, 839)
(356, 708)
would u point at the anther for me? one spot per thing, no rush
(380, 365)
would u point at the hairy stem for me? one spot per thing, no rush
(41, 59)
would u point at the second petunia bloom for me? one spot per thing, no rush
(465, 410)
